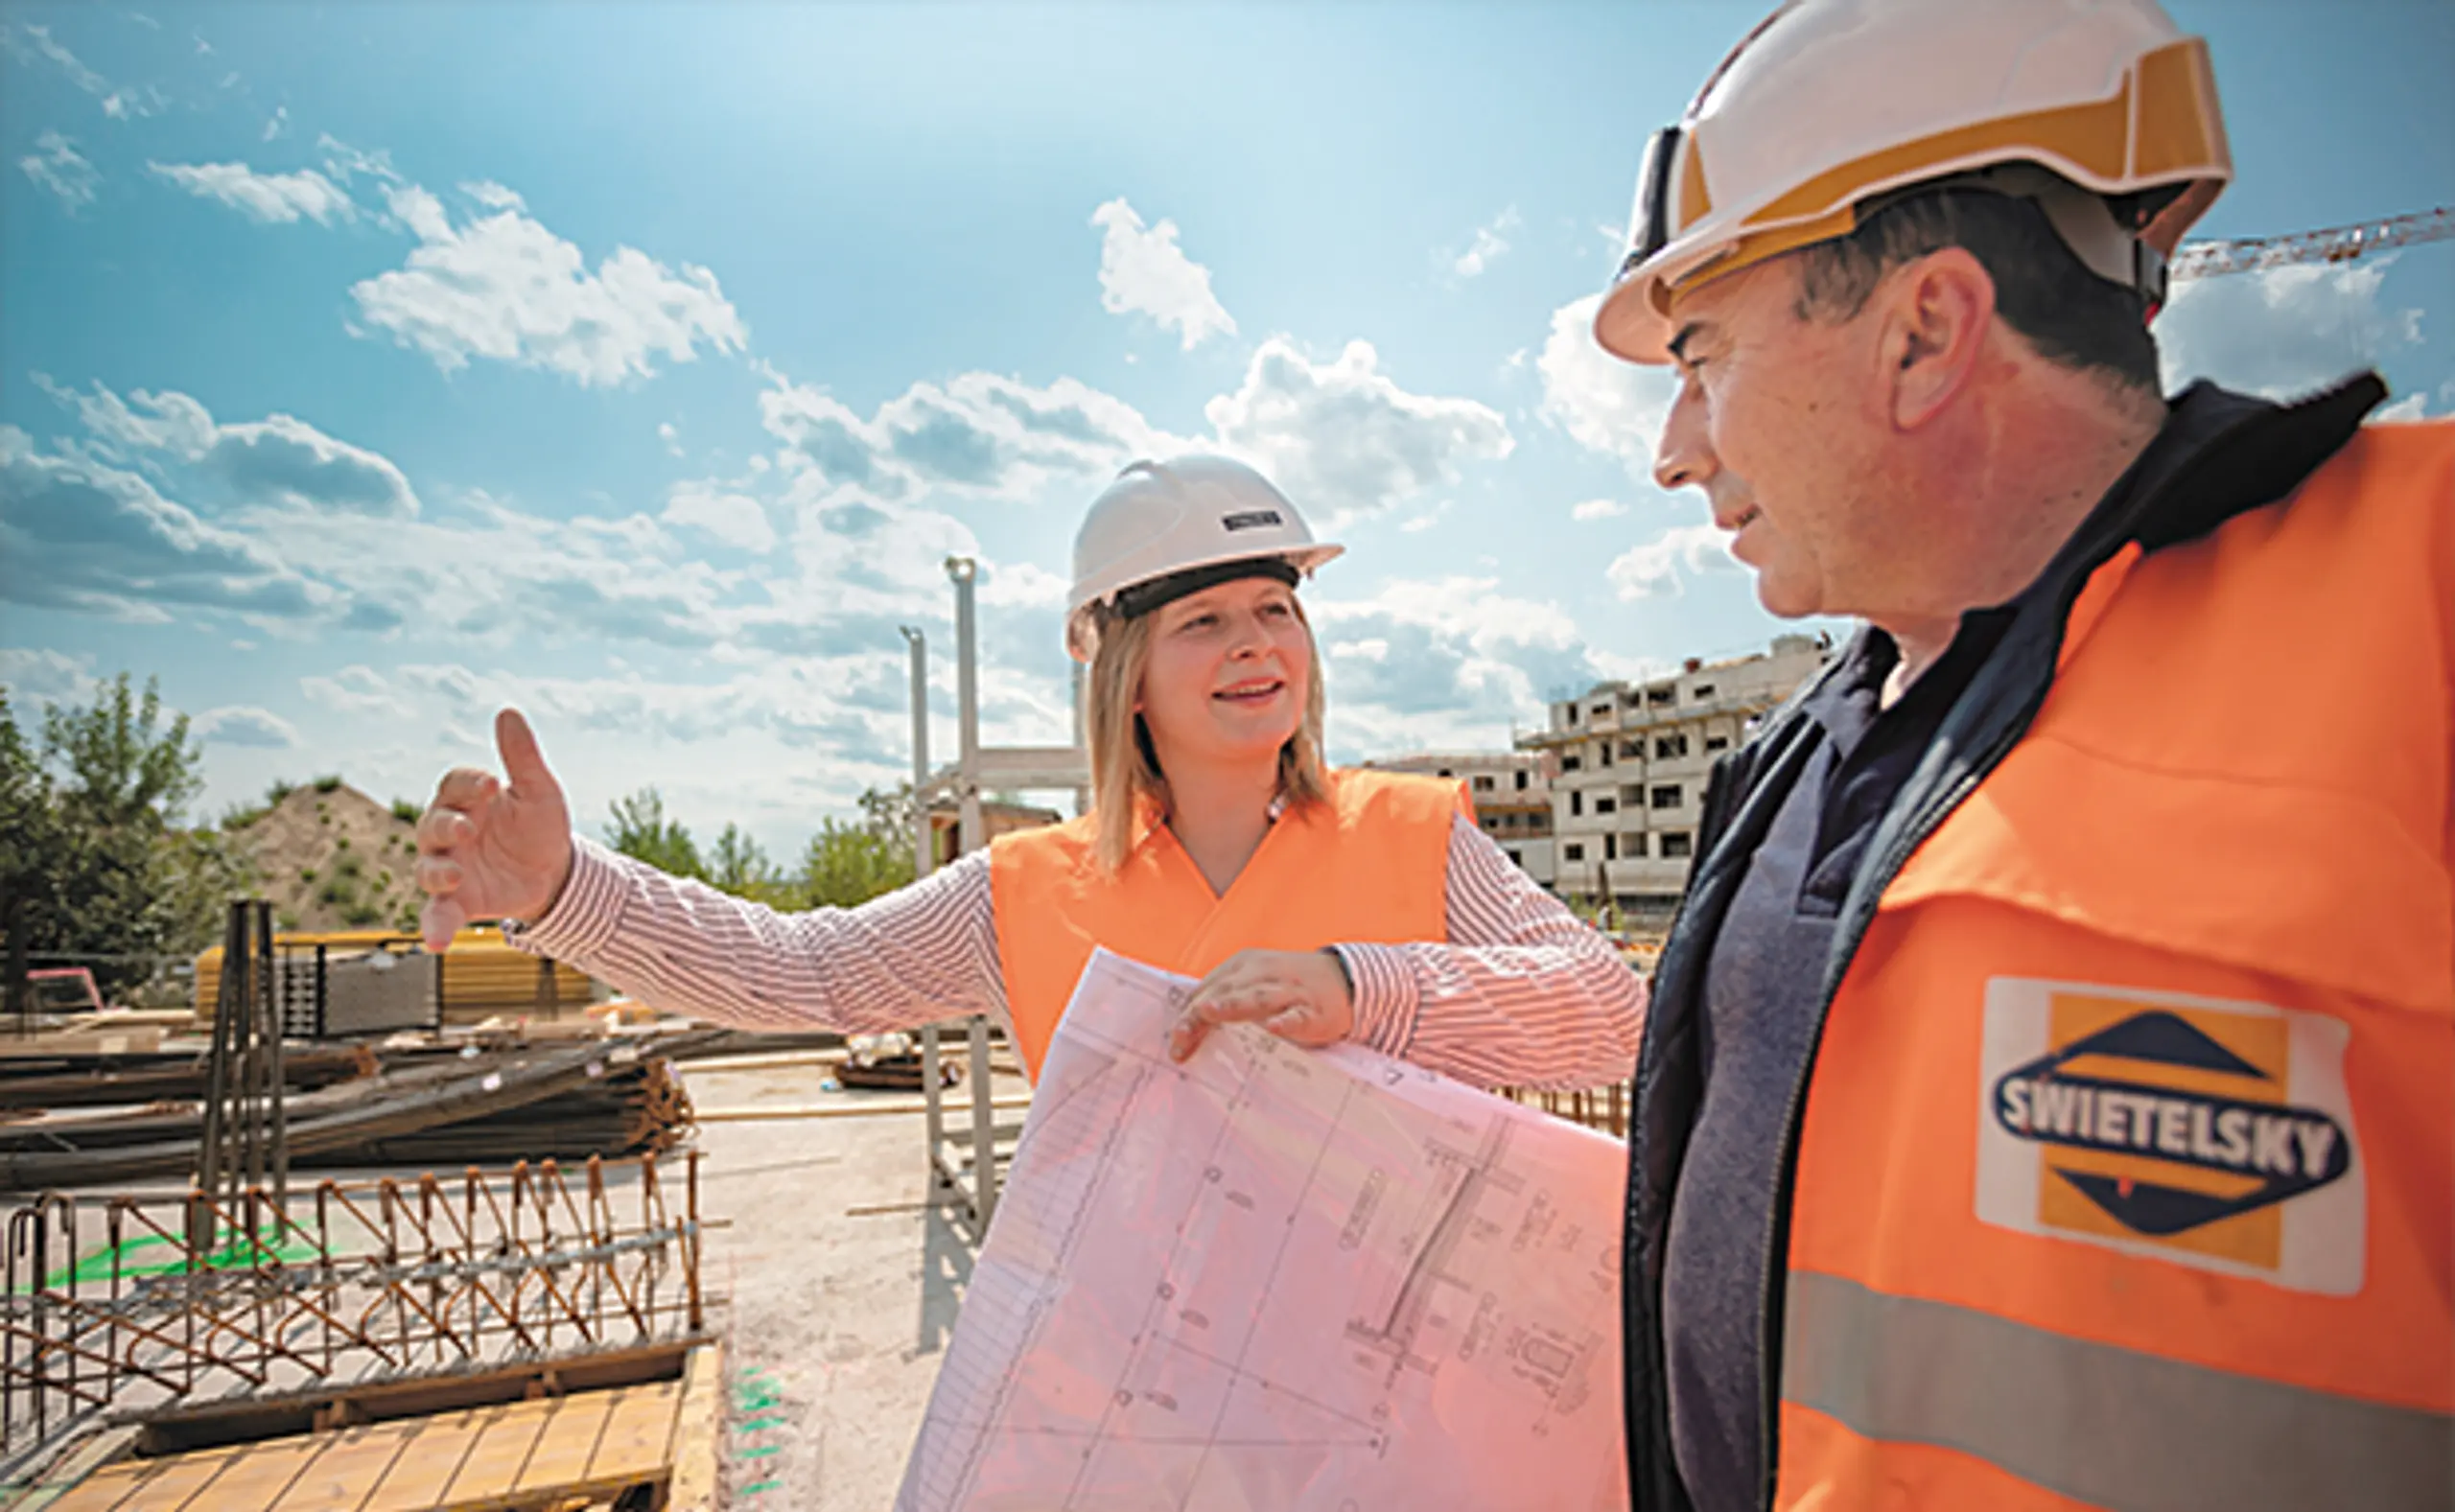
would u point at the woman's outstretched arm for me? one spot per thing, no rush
(921, 953)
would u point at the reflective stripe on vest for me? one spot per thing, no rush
(2112, 1428)
(1369, 866)
(2125, 1167)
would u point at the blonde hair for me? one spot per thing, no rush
(1125, 767)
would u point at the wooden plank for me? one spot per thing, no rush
(174, 1482)
(99, 1492)
(492, 1466)
(95, 1454)
(255, 1476)
(349, 1469)
(701, 1411)
(417, 1479)
(639, 1435)
(562, 1452)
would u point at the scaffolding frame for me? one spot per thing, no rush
(964, 1160)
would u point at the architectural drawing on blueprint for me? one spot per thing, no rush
(1274, 1278)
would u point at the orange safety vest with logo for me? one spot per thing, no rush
(1369, 866)
(2126, 1172)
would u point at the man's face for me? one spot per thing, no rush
(1781, 422)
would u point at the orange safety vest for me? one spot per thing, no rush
(2126, 1174)
(1369, 866)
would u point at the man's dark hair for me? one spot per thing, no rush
(2041, 290)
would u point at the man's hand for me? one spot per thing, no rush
(1299, 995)
(487, 850)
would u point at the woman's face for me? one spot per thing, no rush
(1228, 673)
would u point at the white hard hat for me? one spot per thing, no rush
(1159, 520)
(1831, 105)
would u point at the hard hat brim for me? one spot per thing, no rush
(1081, 639)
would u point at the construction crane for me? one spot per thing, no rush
(2336, 244)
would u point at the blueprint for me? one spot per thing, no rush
(1273, 1278)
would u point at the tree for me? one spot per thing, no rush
(738, 865)
(90, 838)
(640, 829)
(848, 864)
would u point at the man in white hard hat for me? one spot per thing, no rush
(2045, 1101)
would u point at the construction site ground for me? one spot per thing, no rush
(844, 1280)
(839, 1279)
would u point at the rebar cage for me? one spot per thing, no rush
(119, 1306)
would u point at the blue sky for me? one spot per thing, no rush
(364, 367)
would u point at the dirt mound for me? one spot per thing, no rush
(330, 857)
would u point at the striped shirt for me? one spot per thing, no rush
(1519, 994)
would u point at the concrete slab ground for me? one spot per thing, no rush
(843, 1284)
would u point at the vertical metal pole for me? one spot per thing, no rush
(1082, 795)
(923, 857)
(969, 838)
(984, 1128)
(278, 1073)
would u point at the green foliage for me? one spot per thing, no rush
(90, 841)
(640, 829)
(307, 875)
(239, 816)
(276, 791)
(738, 865)
(361, 916)
(327, 783)
(852, 863)
(845, 863)
(405, 812)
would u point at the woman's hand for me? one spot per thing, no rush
(487, 850)
(1299, 995)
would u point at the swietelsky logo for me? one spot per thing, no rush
(2209, 1132)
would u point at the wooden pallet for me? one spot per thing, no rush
(583, 1449)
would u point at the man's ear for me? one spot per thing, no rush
(1938, 311)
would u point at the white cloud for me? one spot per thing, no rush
(1656, 566)
(1489, 241)
(1446, 663)
(272, 199)
(505, 286)
(77, 534)
(978, 432)
(278, 123)
(1022, 585)
(1342, 437)
(735, 519)
(2414, 406)
(672, 437)
(1599, 509)
(278, 460)
(116, 102)
(46, 676)
(1143, 270)
(244, 725)
(1604, 403)
(57, 166)
(493, 196)
(357, 691)
(2281, 331)
(344, 162)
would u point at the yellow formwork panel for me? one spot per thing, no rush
(483, 973)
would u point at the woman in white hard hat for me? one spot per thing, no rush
(1329, 905)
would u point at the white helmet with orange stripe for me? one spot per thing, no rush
(2101, 110)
